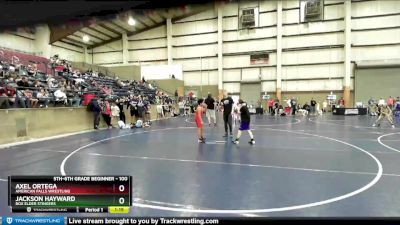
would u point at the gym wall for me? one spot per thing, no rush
(376, 83)
(312, 57)
(38, 44)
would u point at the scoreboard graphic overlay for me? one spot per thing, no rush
(89, 194)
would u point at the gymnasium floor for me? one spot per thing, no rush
(300, 166)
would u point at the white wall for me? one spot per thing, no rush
(20, 41)
(68, 52)
(25, 42)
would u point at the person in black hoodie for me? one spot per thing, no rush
(227, 104)
(244, 123)
(96, 113)
(120, 104)
(210, 102)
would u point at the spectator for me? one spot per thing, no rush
(307, 107)
(176, 95)
(23, 82)
(390, 102)
(96, 112)
(133, 108)
(281, 111)
(43, 97)
(341, 102)
(60, 96)
(313, 106)
(210, 102)
(381, 102)
(32, 100)
(271, 106)
(106, 112)
(120, 103)
(4, 100)
(293, 104)
(324, 106)
(114, 112)
(181, 105)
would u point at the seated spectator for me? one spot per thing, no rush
(281, 111)
(307, 107)
(74, 99)
(32, 99)
(36, 84)
(60, 95)
(4, 100)
(43, 97)
(23, 82)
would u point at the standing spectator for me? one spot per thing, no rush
(96, 112)
(313, 106)
(341, 102)
(271, 103)
(381, 102)
(133, 108)
(210, 102)
(114, 112)
(181, 105)
(293, 104)
(176, 95)
(106, 112)
(227, 104)
(191, 95)
(390, 102)
(120, 104)
(324, 106)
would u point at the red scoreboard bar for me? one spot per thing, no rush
(69, 193)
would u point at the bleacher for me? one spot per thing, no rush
(75, 84)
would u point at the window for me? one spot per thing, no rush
(248, 18)
(311, 10)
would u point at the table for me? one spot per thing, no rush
(349, 111)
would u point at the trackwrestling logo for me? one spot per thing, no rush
(33, 220)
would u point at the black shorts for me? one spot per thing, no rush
(134, 112)
(141, 112)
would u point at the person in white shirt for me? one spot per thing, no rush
(114, 112)
(324, 106)
(381, 101)
(181, 105)
(60, 96)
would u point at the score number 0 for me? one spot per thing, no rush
(121, 188)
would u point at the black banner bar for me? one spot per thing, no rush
(219, 221)
(17, 209)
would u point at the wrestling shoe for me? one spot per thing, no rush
(201, 141)
(252, 142)
(393, 126)
(236, 141)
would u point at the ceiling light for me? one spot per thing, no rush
(131, 21)
(86, 38)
